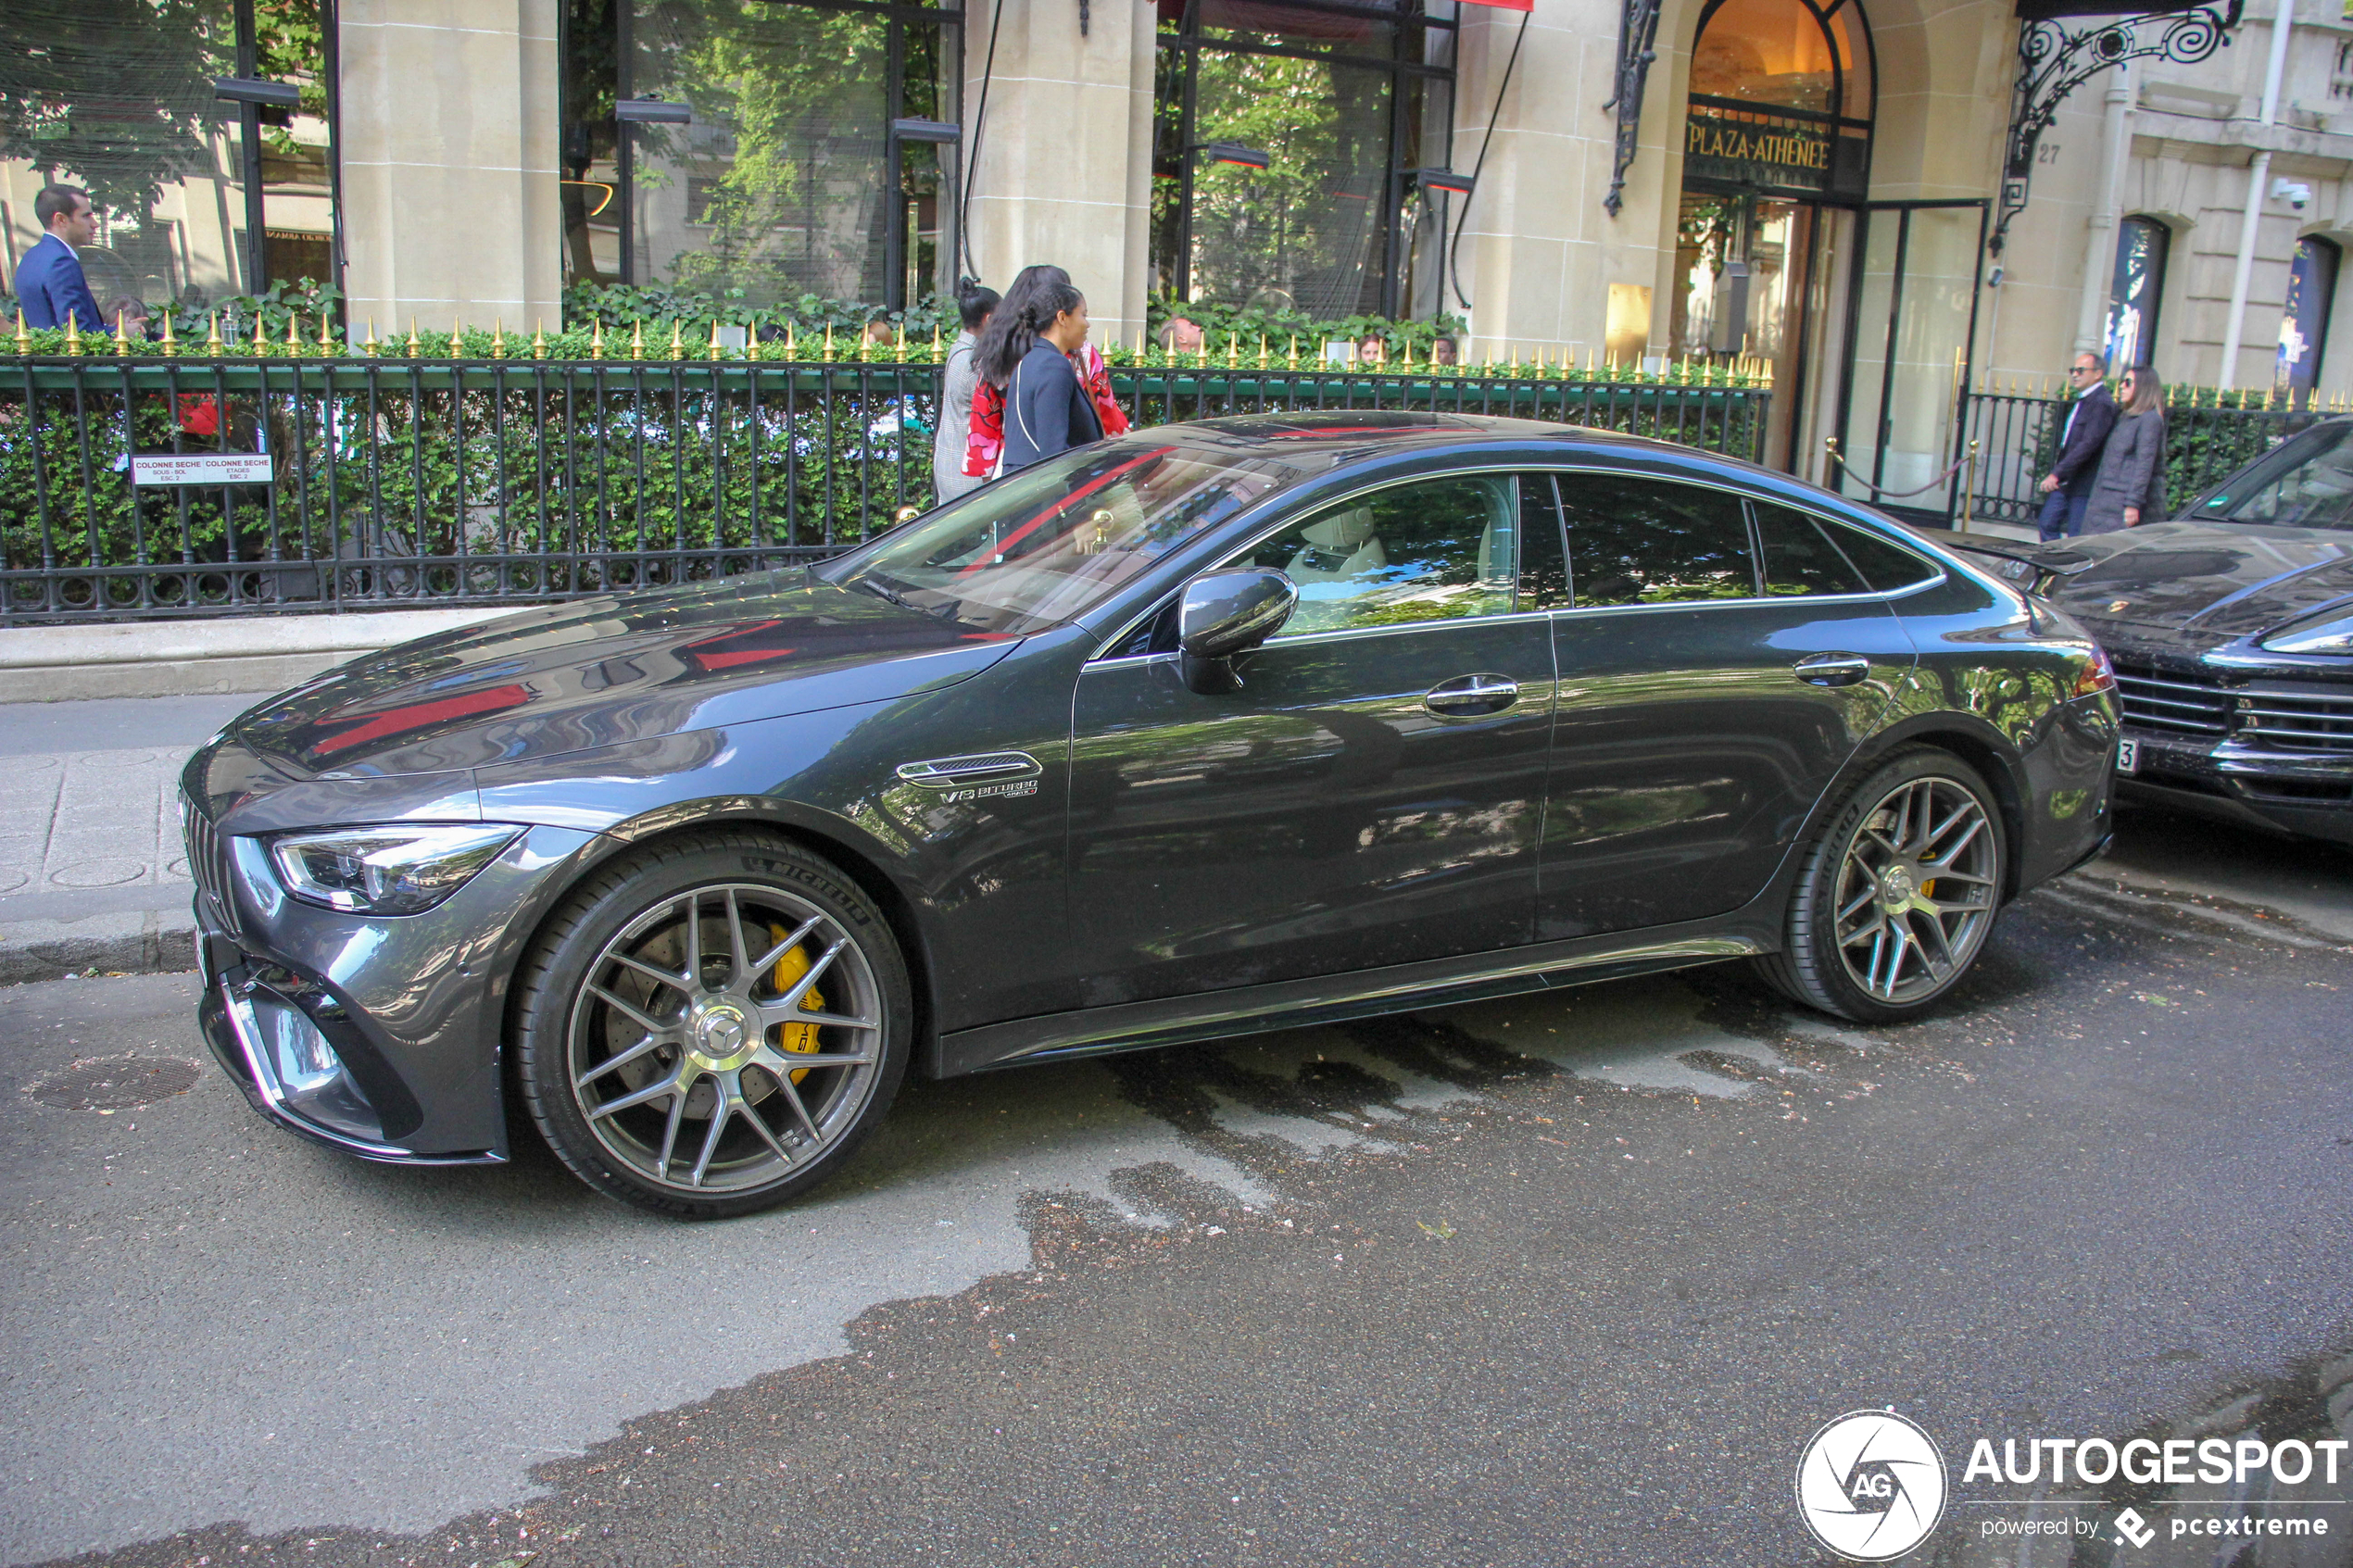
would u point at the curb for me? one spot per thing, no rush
(120, 942)
(227, 653)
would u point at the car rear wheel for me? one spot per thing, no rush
(1897, 893)
(713, 1025)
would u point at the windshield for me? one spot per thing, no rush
(1041, 547)
(2306, 484)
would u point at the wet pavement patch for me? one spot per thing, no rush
(115, 1082)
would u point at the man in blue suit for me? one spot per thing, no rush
(2067, 489)
(49, 282)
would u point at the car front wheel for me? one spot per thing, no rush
(713, 1024)
(1897, 893)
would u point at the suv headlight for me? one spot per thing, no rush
(396, 870)
(2332, 631)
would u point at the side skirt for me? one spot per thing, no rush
(1290, 1004)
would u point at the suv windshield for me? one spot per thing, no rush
(2306, 484)
(1040, 547)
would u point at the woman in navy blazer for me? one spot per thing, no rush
(1025, 351)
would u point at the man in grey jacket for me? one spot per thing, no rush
(959, 383)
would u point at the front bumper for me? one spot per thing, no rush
(378, 1036)
(2240, 746)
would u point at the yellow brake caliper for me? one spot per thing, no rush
(799, 1038)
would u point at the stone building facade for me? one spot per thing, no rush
(1811, 184)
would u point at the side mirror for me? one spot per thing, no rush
(1224, 614)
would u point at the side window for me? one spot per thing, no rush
(1885, 566)
(1645, 541)
(1438, 550)
(1544, 570)
(1799, 558)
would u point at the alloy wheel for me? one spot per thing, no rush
(1916, 890)
(725, 1039)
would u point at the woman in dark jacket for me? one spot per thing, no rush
(2130, 487)
(1025, 351)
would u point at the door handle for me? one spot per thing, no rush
(1831, 668)
(1469, 696)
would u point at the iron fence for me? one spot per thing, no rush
(397, 482)
(2018, 439)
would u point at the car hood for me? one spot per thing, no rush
(594, 673)
(2213, 580)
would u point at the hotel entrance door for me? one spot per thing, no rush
(1911, 323)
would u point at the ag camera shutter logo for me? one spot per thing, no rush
(1871, 1486)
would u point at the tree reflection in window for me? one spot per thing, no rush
(1643, 541)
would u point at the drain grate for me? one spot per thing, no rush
(115, 1082)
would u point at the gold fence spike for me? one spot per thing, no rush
(457, 338)
(368, 348)
(261, 338)
(678, 340)
(415, 349)
(212, 343)
(788, 340)
(326, 338)
(121, 333)
(638, 339)
(715, 348)
(596, 340)
(294, 335)
(1291, 362)
(936, 357)
(24, 338)
(498, 338)
(74, 334)
(828, 352)
(539, 340)
(171, 344)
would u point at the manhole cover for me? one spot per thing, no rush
(115, 1082)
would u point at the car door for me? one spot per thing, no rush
(1373, 794)
(1720, 659)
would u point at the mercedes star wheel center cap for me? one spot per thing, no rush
(1896, 886)
(724, 1036)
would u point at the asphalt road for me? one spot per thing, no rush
(1563, 1280)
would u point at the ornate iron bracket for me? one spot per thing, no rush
(1637, 33)
(2053, 62)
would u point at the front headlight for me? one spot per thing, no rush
(396, 870)
(2332, 632)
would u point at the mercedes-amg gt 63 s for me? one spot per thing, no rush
(1204, 730)
(2232, 630)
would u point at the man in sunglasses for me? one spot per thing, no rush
(2067, 489)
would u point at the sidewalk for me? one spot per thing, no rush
(92, 873)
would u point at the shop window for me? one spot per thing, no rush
(2141, 247)
(788, 178)
(199, 200)
(1339, 104)
(2304, 324)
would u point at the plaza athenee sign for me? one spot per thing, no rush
(1761, 147)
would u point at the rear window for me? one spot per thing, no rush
(1641, 541)
(1799, 558)
(1885, 566)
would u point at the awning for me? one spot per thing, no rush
(2050, 10)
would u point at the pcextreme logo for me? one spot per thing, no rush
(1871, 1486)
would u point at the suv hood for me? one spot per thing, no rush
(597, 672)
(2222, 582)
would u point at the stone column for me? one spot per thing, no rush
(1543, 261)
(450, 163)
(1064, 167)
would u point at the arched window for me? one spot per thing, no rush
(1781, 97)
(2304, 324)
(2141, 247)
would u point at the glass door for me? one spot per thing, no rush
(1912, 314)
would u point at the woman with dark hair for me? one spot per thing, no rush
(959, 380)
(2130, 487)
(984, 452)
(1027, 353)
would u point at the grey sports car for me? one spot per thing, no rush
(1199, 731)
